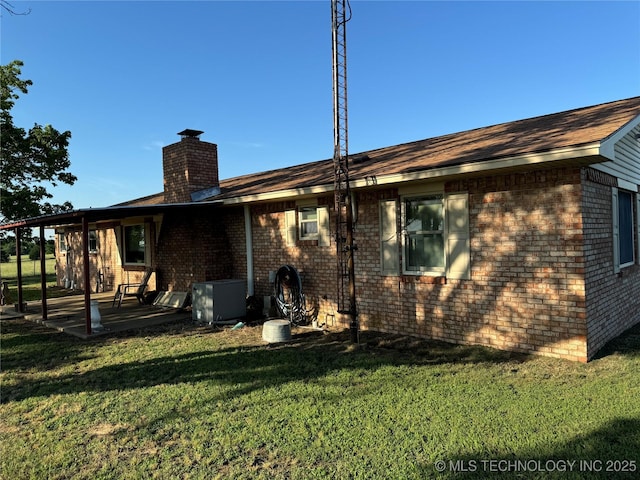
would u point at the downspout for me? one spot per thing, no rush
(43, 274)
(19, 272)
(248, 235)
(86, 268)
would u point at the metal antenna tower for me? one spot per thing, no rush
(340, 15)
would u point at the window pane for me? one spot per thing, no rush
(625, 216)
(93, 240)
(425, 252)
(62, 242)
(134, 244)
(308, 213)
(309, 228)
(424, 227)
(308, 222)
(425, 214)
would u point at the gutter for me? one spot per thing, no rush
(587, 151)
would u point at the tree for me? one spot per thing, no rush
(7, 6)
(29, 161)
(34, 251)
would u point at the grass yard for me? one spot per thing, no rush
(31, 289)
(182, 401)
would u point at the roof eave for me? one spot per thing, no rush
(581, 154)
(607, 148)
(115, 212)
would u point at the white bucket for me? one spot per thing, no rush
(95, 316)
(276, 331)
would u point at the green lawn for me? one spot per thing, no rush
(31, 288)
(182, 401)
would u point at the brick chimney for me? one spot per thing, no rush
(190, 168)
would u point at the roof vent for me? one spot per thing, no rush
(188, 133)
(359, 158)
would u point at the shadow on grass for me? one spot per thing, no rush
(28, 345)
(627, 344)
(610, 452)
(245, 367)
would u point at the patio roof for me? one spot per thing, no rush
(116, 212)
(84, 217)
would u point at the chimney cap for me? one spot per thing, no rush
(188, 133)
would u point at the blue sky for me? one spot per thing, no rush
(124, 77)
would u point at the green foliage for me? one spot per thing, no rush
(8, 245)
(34, 252)
(182, 401)
(4, 256)
(28, 160)
(50, 247)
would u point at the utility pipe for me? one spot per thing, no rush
(19, 265)
(86, 271)
(43, 274)
(248, 235)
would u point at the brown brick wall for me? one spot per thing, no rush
(105, 260)
(613, 300)
(188, 166)
(316, 264)
(196, 248)
(526, 291)
(542, 277)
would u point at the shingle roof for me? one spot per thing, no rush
(546, 133)
(539, 134)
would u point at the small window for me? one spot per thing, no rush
(62, 243)
(134, 244)
(93, 241)
(424, 234)
(308, 217)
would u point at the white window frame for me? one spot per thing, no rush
(432, 199)
(62, 243)
(293, 223)
(304, 222)
(93, 248)
(456, 236)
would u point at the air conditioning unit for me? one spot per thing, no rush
(218, 300)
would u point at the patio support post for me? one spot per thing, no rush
(43, 273)
(86, 271)
(19, 265)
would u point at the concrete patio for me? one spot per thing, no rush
(67, 314)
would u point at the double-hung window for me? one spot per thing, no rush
(134, 244)
(62, 243)
(308, 218)
(93, 241)
(424, 234)
(433, 235)
(307, 222)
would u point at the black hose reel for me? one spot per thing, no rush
(290, 301)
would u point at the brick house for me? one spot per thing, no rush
(522, 236)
